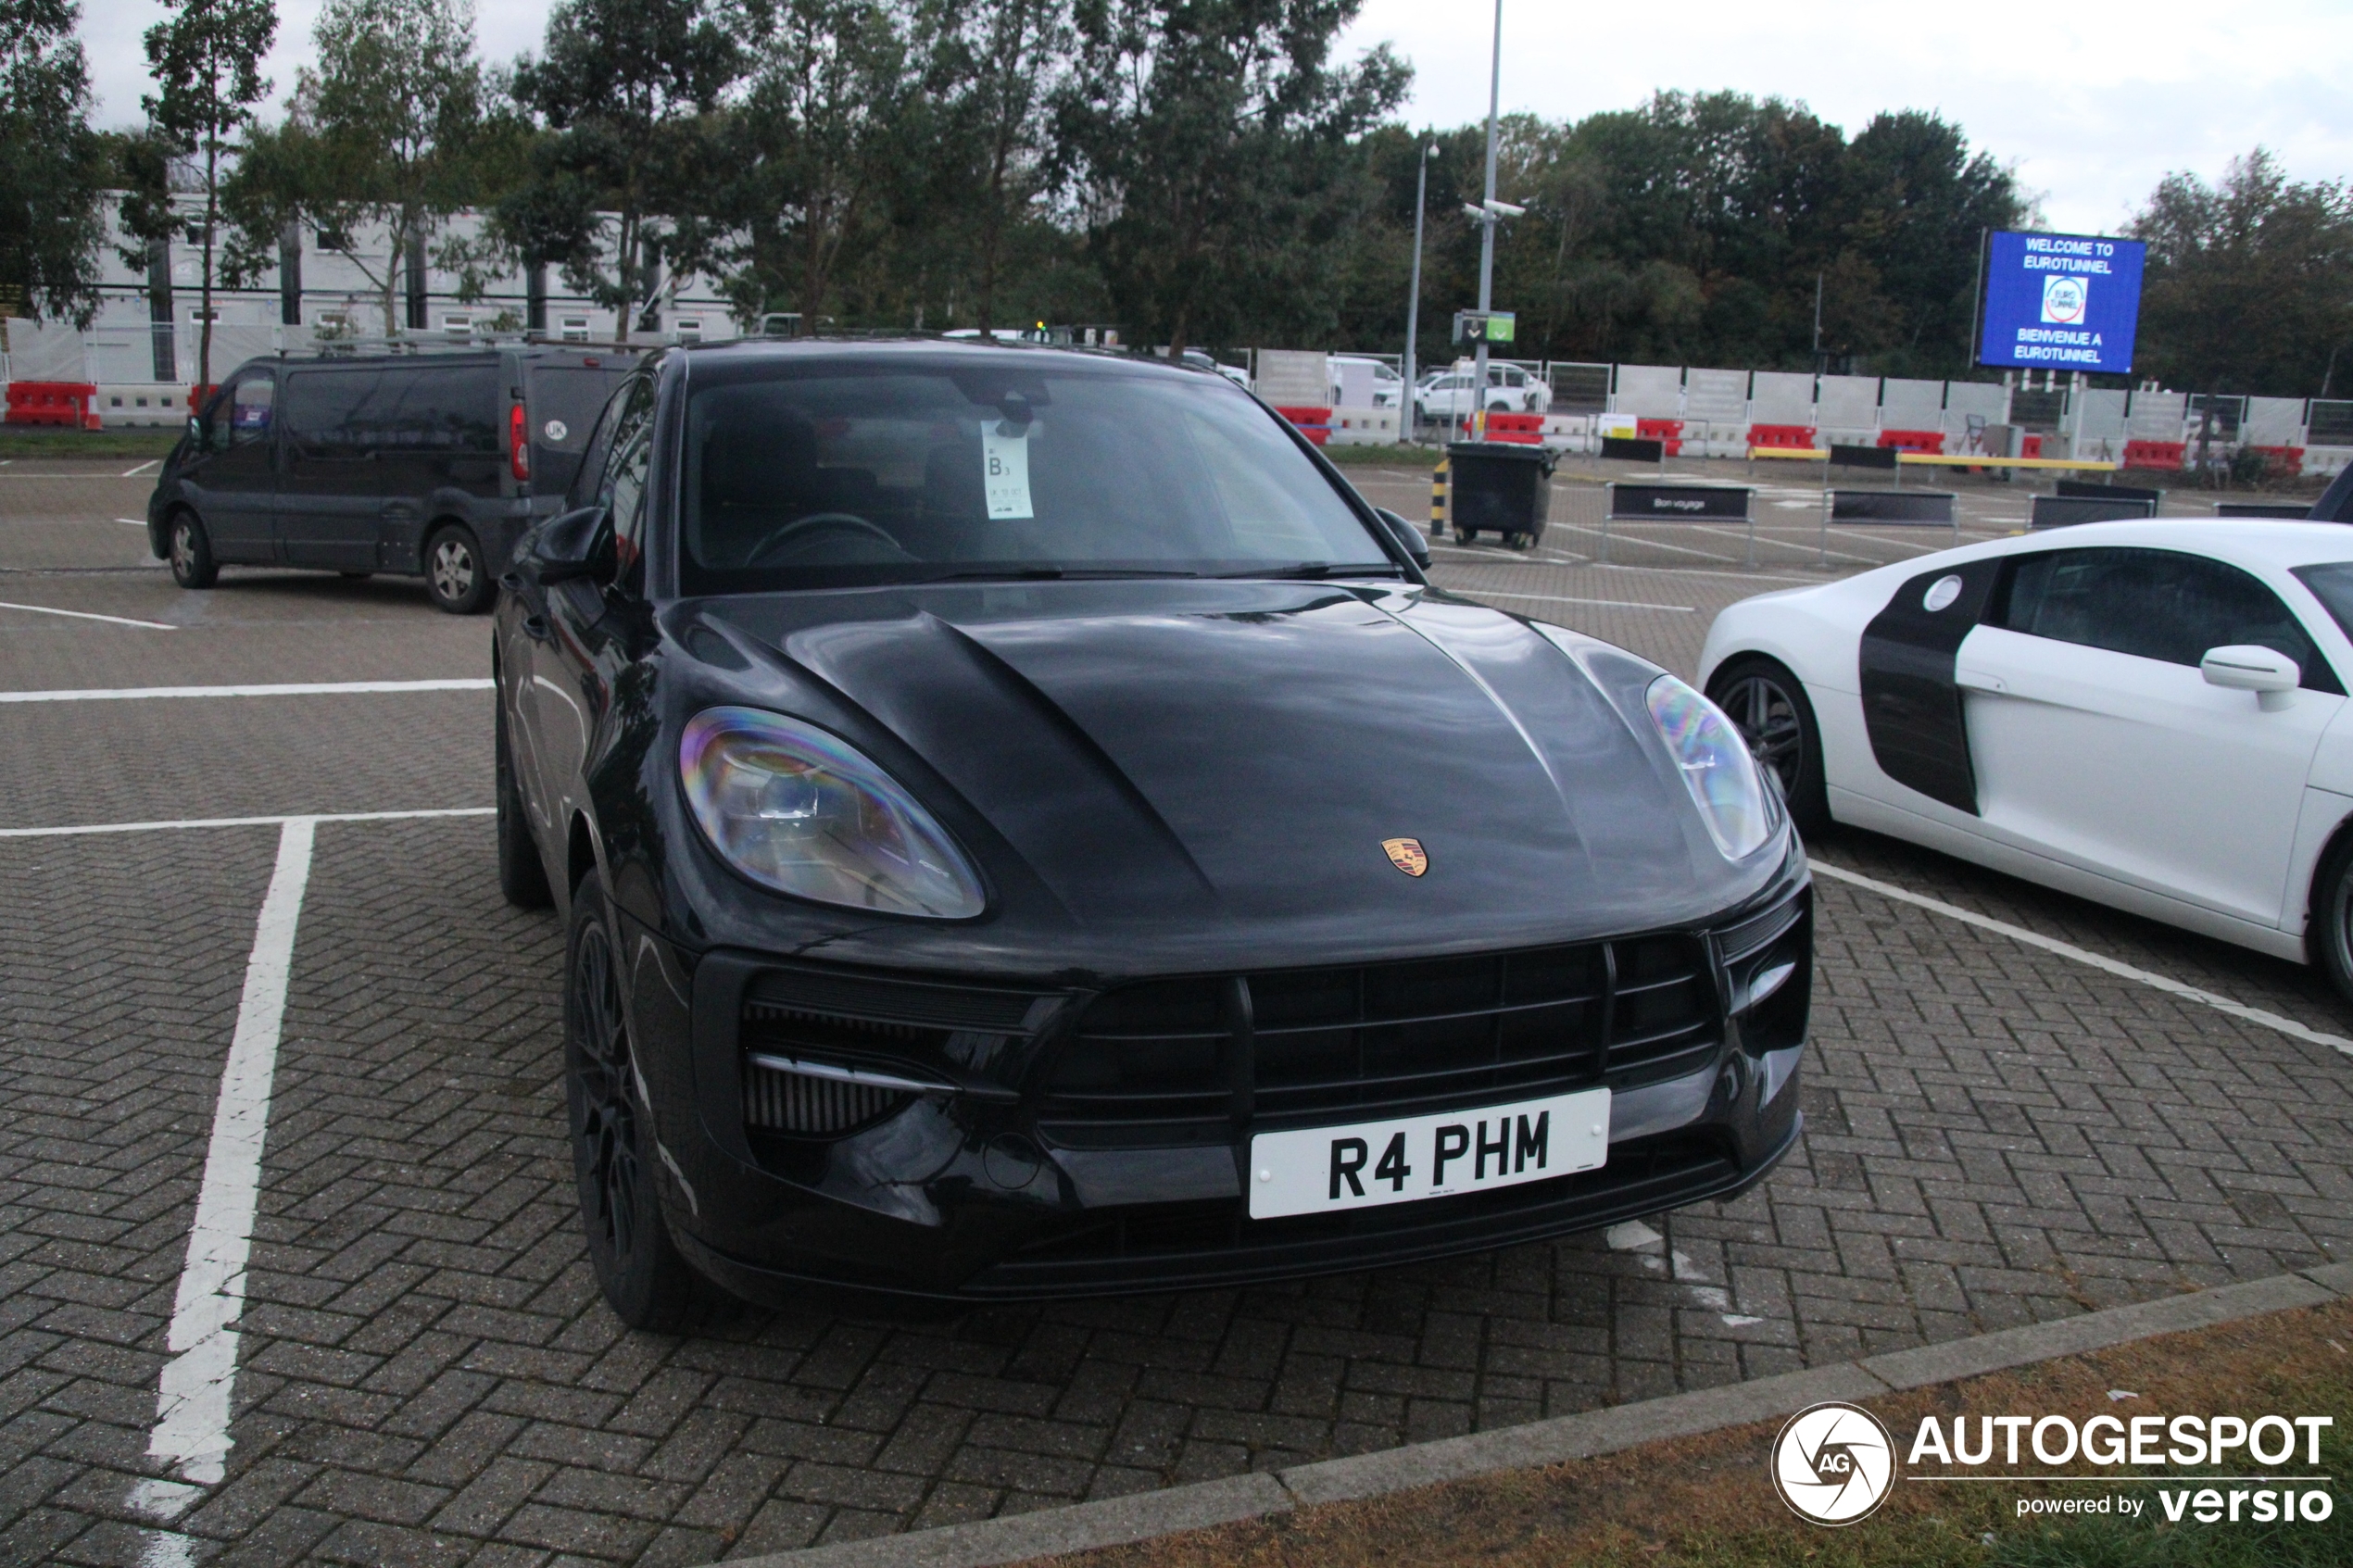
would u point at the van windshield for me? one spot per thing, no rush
(833, 472)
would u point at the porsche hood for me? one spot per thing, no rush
(1245, 756)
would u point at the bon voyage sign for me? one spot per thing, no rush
(2066, 302)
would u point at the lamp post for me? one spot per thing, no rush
(1489, 217)
(1405, 419)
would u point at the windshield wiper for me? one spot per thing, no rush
(1309, 571)
(1050, 574)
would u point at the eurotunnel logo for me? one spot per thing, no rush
(1407, 855)
(2064, 299)
(1833, 1463)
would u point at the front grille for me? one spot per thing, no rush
(1174, 1061)
(781, 1101)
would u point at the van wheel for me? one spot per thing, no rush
(192, 562)
(456, 576)
(639, 1269)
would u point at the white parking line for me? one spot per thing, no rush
(88, 615)
(2171, 987)
(245, 821)
(192, 1403)
(150, 463)
(301, 688)
(1564, 599)
(133, 521)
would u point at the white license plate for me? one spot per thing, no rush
(1318, 1169)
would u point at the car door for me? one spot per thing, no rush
(234, 480)
(575, 662)
(335, 418)
(2094, 738)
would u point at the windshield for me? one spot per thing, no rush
(2333, 585)
(829, 474)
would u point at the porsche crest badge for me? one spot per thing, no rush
(1407, 855)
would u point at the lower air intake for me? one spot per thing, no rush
(795, 1102)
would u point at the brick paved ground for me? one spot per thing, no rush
(1995, 1136)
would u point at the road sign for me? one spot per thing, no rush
(2062, 302)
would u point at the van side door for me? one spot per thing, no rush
(335, 416)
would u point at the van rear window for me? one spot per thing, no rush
(562, 403)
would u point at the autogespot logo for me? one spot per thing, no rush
(1833, 1463)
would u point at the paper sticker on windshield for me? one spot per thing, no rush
(1004, 468)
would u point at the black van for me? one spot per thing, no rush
(425, 464)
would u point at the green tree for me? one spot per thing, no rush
(205, 58)
(1213, 146)
(381, 135)
(1012, 56)
(52, 166)
(627, 89)
(828, 135)
(2249, 283)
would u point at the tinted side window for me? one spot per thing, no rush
(624, 484)
(336, 412)
(454, 409)
(251, 403)
(2153, 603)
(589, 485)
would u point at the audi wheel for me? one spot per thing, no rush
(1769, 707)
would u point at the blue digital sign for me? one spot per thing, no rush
(2062, 302)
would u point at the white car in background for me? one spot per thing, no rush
(2149, 714)
(1198, 360)
(1388, 387)
(1446, 395)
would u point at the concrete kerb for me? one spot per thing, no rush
(1119, 1521)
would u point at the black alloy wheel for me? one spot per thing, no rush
(1769, 705)
(637, 1266)
(523, 876)
(191, 548)
(2329, 936)
(456, 576)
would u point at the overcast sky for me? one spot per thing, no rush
(2091, 101)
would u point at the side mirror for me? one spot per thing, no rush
(1406, 534)
(2270, 675)
(576, 546)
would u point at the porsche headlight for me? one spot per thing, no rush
(1716, 766)
(800, 810)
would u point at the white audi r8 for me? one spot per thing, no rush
(2149, 714)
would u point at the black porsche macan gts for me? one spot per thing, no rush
(1028, 828)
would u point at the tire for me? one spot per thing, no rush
(189, 548)
(456, 576)
(1769, 707)
(2329, 936)
(523, 876)
(644, 1279)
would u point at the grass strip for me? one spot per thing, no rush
(1707, 1502)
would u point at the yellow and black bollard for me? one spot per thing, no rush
(1438, 480)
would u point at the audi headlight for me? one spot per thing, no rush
(801, 811)
(1716, 766)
